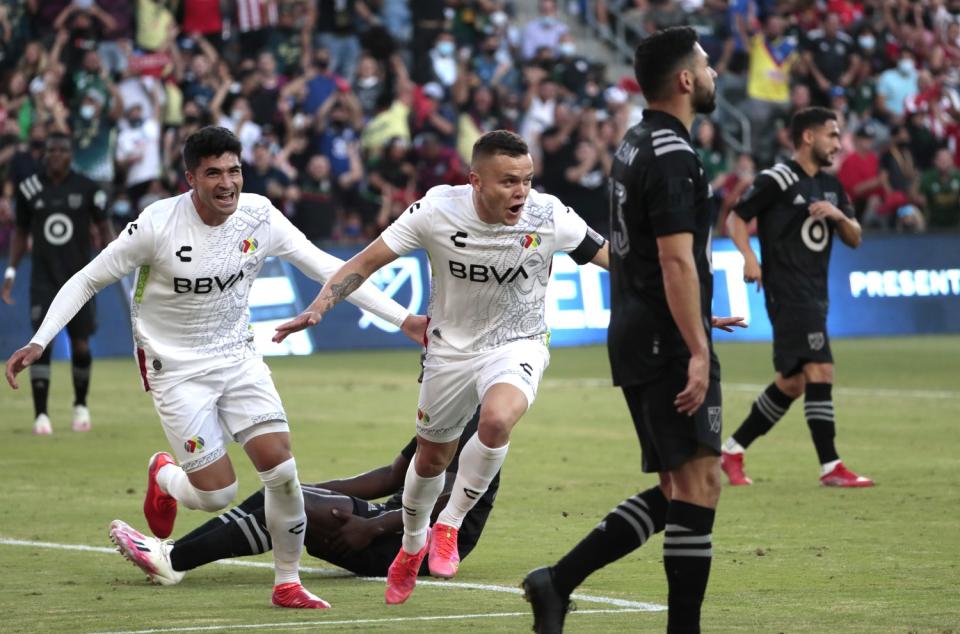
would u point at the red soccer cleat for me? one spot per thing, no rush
(159, 508)
(444, 559)
(732, 465)
(294, 595)
(843, 477)
(402, 575)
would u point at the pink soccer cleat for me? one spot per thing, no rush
(402, 575)
(149, 554)
(81, 418)
(294, 595)
(732, 465)
(42, 426)
(444, 559)
(159, 508)
(843, 477)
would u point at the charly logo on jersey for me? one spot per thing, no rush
(194, 444)
(249, 245)
(816, 340)
(74, 201)
(57, 229)
(531, 240)
(831, 197)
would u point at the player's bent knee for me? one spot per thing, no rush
(215, 500)
(280, 475)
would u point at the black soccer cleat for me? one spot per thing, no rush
(549, 606)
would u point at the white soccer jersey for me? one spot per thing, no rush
(489, 280)
(190, 302)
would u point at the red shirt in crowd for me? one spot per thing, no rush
(857, 168)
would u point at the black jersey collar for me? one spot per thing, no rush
(660, 119)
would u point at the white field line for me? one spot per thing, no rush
(757, 387)
(311, 624)
(633, 606)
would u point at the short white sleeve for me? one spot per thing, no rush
(409, 232)
(571, 228)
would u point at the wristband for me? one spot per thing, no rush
(10, 273)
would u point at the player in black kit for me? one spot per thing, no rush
(344, 526)
(798, 209)
(56, 207)
(659, 341)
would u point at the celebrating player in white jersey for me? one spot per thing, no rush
(491, 244)
(197, 256)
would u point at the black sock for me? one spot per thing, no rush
(769, 407)
(622, 531)
(81, 363)
(818, 407)
(240, 531)
(687, 553)
(40, 382)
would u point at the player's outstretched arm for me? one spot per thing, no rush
(18, 246)
(373, 484)
(682, 286)
(727, 324)
(20, 359)
(602, 258)
(345, 281)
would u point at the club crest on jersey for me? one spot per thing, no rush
(249, 245)
(531, 240)
(74, 201)
(831, 197)
(816, 340)
(194, 444)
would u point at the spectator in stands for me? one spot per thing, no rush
(337, 23)
(337, 124)
(831, 59)
(732, 187)
(860, 174)
(437, 164)
(368, 84)
(318, 200)
(895, 86)
(264, 178)
(543, 31)
(940, 188)
(443, 59)
(900, 185)
(92, 124)
(138, 148)
(479, 114)
(710, 149)
(432, 114)
(266, 93)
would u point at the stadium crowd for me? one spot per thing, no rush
(349, 110)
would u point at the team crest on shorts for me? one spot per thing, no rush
(194, 445)
(249, 245)
(531, 240)
(423, 417)
(816, 340)
(714, 417)
(74, 201)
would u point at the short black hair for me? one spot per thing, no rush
(209, 141)
(56, 136)
(499, 142)
(803, 120)
(659, 56)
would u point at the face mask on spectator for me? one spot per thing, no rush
(568, 49)
(446, 48)
(37, 146)
(867, 42)
(906, 66)
(88, 110)
(121, 208)
(368, 82)
(236, 114)
(135, 123)
(191, 119)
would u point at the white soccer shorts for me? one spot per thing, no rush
(453, 387)
(201, 415)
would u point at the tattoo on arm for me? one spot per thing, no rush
(334, 293)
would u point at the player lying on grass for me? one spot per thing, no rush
(344, 527)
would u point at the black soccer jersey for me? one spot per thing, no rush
(58, 216)
(658, 188)
(475, 520)
(794, 246)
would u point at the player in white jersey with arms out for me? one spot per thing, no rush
(197, 256)
(491, 244)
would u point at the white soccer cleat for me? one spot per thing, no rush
(42, 425)
(81, 418)
(149, 554)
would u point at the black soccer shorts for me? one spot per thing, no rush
(667, 437)
(83, 324)
(799, 337)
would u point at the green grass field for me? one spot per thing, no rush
(789, 556)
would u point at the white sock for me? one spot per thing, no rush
(174, 482)
(478, 466)
(419, 496)
(732, 446)
(827, 467)
(286, 520)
